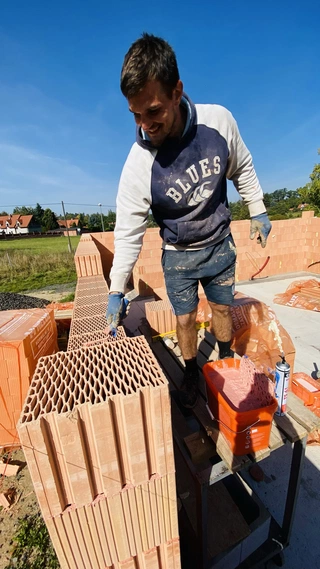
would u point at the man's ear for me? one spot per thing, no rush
(177, 92)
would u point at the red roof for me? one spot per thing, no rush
(70, 222)
(24, 220)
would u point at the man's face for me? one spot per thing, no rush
(156, 113)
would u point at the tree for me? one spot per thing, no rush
(94, 222)
(239, 210)
(82, 220)
(4, 213)
(49, 220)
(38, 213)
(151, 221)
(23, 210)
(314, 191)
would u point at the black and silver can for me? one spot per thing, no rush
(282, 376)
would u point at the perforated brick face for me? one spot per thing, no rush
(89, 283)
(90, 309)
(84, 299)
(93, 338)
(85, 325)
(91, 375)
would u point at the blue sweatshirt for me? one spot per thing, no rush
(184, 182)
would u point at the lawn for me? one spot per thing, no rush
(33, 263)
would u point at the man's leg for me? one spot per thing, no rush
(187, 339)
(221, 327)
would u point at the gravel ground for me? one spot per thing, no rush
(14, 301)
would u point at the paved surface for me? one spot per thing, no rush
(304, 329)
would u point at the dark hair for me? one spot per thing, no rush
(149, 59)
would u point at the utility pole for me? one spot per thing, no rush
(65, 219)
(102, 224)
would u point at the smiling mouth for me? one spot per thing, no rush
(154, 131)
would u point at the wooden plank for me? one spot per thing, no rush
(260, 454)
(277, 438)
(302, 414)
(291, 429)
(200, 447)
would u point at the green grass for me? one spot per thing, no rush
(30, 264)
(32, 547)
(68, 298)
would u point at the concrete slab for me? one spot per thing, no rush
(302, 325)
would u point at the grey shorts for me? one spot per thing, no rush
(213, 266)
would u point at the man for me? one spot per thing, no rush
(179, 167)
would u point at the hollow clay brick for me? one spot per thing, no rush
(92, 338)
(108, 532)
(25, 336)
(71, 395)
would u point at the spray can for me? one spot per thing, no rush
(282, 384)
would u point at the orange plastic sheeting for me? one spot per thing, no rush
(301, 294)
(25, 336)
(258, 333)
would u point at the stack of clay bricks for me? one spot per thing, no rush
(87, 258)
(88, 324)
(25, 335)
(96, 433)
(147, 273)
(161, 318)
(105, 244)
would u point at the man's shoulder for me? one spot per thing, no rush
(213, 111)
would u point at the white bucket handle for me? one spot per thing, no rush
(226, 426)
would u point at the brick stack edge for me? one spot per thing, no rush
(96, 432)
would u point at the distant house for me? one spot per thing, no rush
(71, 224)
(16, 224)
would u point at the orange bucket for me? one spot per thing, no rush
(244, 431)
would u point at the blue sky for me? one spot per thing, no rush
(65, 130)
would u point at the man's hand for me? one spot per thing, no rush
(117, 310)
(260, 224)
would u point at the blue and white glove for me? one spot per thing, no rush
(117, 310)
(260, 224)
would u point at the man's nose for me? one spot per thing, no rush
(145, 122)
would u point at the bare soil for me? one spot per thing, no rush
(24, 503)
(53, 293)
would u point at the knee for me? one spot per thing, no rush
(186, 321)
(222, 310)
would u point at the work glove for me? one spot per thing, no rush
(260, 224)
(117, 310)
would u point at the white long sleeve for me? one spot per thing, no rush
(133, 205)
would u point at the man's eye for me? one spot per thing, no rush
(153, 111)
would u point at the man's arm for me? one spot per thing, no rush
(133, 205)
(242, 173)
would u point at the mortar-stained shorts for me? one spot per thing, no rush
(213, 266)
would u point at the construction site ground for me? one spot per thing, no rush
(303, 326)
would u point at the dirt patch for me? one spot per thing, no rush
(24, 504)
(53, 293)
